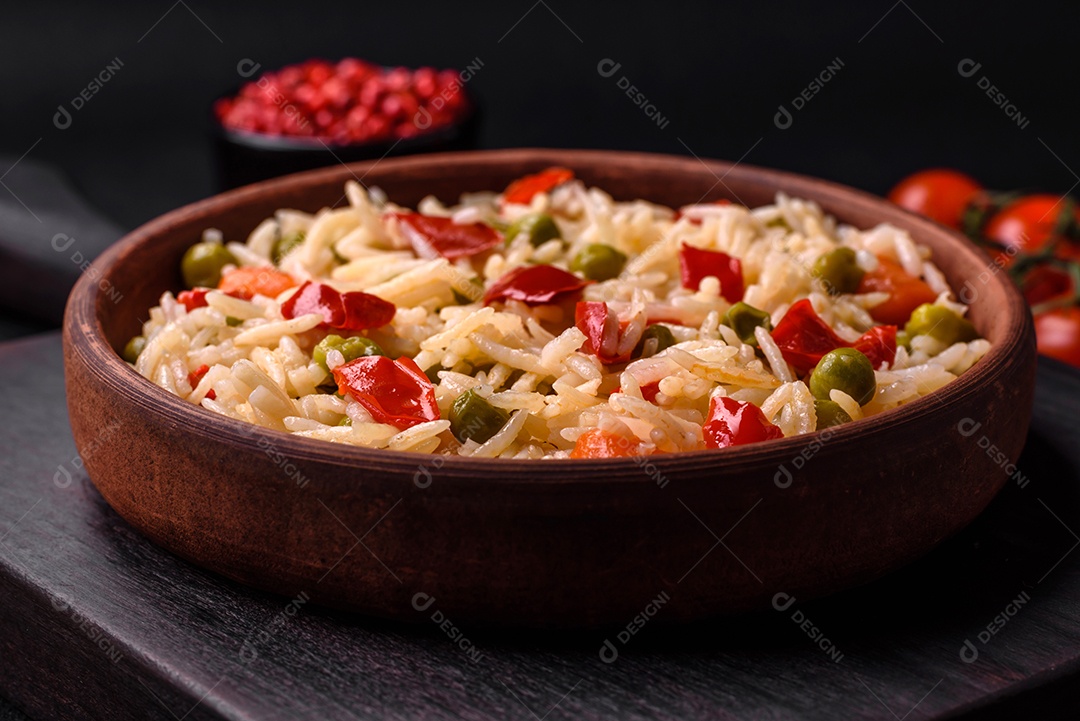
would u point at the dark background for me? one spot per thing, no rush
(717, 72)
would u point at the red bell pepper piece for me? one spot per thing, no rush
(523, 189)
(347, 311)
(698, 263)
(433, 236)
(534, 285)
(603, 331)
(878, 344)
(649, 391)
(197, 375)
(393, 391)
(735, 423)
(194, 298)
(804, 338)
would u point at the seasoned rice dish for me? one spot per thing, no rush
(551, 321)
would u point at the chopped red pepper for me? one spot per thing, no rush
(534, 285)
(432, 236)
(393, 391)
(696, 264)
(348, 311)
(804, 338)
(649, 391)
(523, 189)
(735, 423)
(192, 299)
(197, 375)
(603, 331)
(878, 344)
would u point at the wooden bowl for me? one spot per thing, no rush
(556, 543)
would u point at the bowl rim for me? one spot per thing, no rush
(83, 322)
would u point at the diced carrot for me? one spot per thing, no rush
(246, 283)
(905, 292)
(597, 443)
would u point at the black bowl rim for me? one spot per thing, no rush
(103, 360)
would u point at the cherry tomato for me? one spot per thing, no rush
(804, 338)
(695, 264)
(596, 443)
(523, 189)
(1027, 224)
(534, 285)
(246, 283)
(940, 194)
(393, 391)
(736, 423)
(1057, 334)
(432, 236)
(1045, 282)
(905, 293)
(347, 311)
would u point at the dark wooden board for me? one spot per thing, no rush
(81, 588)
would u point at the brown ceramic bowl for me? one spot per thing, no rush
(557, 543)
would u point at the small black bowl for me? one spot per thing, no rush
(244, 158)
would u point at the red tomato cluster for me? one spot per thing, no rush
(350, 101)
(1036, 237)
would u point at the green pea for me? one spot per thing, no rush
(432, 374)
(939, 322)
(838, 271)
(472, 417)
(352, 348)
(539, 228)
(598, 262)
(903, 339)
(133, 349)
(285, 244)
(661, 334)
(829, 414)
(202, 263)
(743, 318)
(847, 370)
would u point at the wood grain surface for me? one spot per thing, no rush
(99, 623)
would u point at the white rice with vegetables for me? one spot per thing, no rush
(509, 361)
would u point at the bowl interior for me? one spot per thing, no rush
(130, 277)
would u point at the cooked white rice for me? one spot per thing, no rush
(528, 360)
